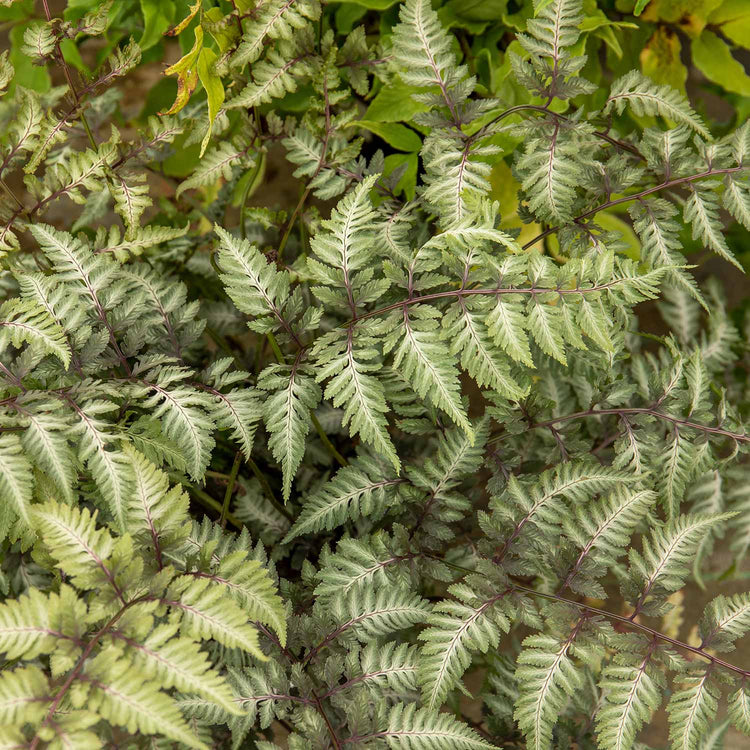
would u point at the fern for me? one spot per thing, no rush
(330, 413)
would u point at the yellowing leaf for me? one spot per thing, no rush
(182, 25)
(660, 59)
(187, 74)
(690, 15)
(214, 89)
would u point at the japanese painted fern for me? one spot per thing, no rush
(453, 461)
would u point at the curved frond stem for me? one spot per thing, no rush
(544, 109)
(646, 410)
(637, 196)
(639, 626)
(493, 291)
(331, 731)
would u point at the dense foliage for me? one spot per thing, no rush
(313, 475)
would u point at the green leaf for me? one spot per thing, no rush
(15, 476)
(398, 136)
(158, 16)
(214, 89)
(394, 103)
(714, 59)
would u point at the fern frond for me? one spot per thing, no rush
(293, 393)
(422, 49)
(359, 489)
(546, 676)
(219, 161)
(15, 477)
(725, 619)
(665, 562)
(24, 696)
(738, 708)
(645, 97)
(692, 709)
(179, 663)
(632, 687)
(410, 728)
(131, 198)
(254, 284)
(420, 356)
(273, 77)
(25, 630)
(80, 548)
(251, 586)
(24, 321)
(209, 612)
(702, 211)
(275, 19)
(381, 667)
(156, 515)
(125, 700)
(455, 630)
(346, 358)
(374, 614)
(603, 529)
(184, 415)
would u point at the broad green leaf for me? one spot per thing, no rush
(214, 89)
(394, 134)
(157, 17)
(714, 59)
(394, 103)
